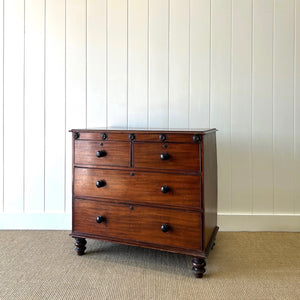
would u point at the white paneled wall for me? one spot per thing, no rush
(229, 64)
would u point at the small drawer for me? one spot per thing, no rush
(176, 156)
(140, 223)
(102, 153)
(139, 187)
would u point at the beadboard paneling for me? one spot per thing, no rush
(158, 63)
(55, 107)
(220, 95)
(229, 64)
(13, 82)
(138, 63)
(117, 60)
(199, 110)
(96, 63)
(1, 109)
(262, 106)
(179, 69)
(76, 104)
(241, 99)
(297, 110)
(283, 89)
(34, 117)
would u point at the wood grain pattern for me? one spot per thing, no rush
(140, 223)
(155, 201)
(210, 192)
(116, 153)
(182, 156)
(139, 186)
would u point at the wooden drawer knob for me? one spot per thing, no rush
(165, 189)
(165, 227)
(101, 153)
(164, 156)
(100, 183)
(76, 135)
(131, 137)
(104, 136)
(100, 219)
(162, 137)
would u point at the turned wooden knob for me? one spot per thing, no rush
(100, 219)
(104, 136)
(162, 137)
(100, 153)
(196, 138)
(164, 156)
(100, 183)
(76, 135)
(165, 227)
(131, 136)
(165, 189)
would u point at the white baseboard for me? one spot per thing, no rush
(239, 222)
(36, 221)
(226, 222)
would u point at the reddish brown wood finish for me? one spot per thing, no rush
(139, 223)
(138, 186)
(210, 185)
(115, 153)
(131, 195)
(181, 156)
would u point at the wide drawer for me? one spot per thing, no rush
(176, 156)
(139, 223)
(138, 186)
(102, 153)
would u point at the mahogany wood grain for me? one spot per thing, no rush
(181, 156)
(139, 186)
(148, 188)
(210, 192)
(115, 153)
(140, 223)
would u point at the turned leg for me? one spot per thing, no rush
(80, 245)
(212, 247)
(198, 266)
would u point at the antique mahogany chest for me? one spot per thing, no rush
(148, 188)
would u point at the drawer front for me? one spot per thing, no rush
(140, 223)
(140, 187)
(176, 156)
(102, 153)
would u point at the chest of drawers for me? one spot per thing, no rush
(154, 189)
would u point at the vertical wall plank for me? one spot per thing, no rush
(55, 107)
(241, 106)
(199, 63)
(1, 107)
(34, 106)
(158, 63)
(117, 114)
(179, 64)
(75, 79)
(297, 110)
(138, 63)
(262, 107)
(96, 63)
(220, 95)
(13, 105)
(283, 106)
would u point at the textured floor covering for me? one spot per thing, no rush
(44, 265)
